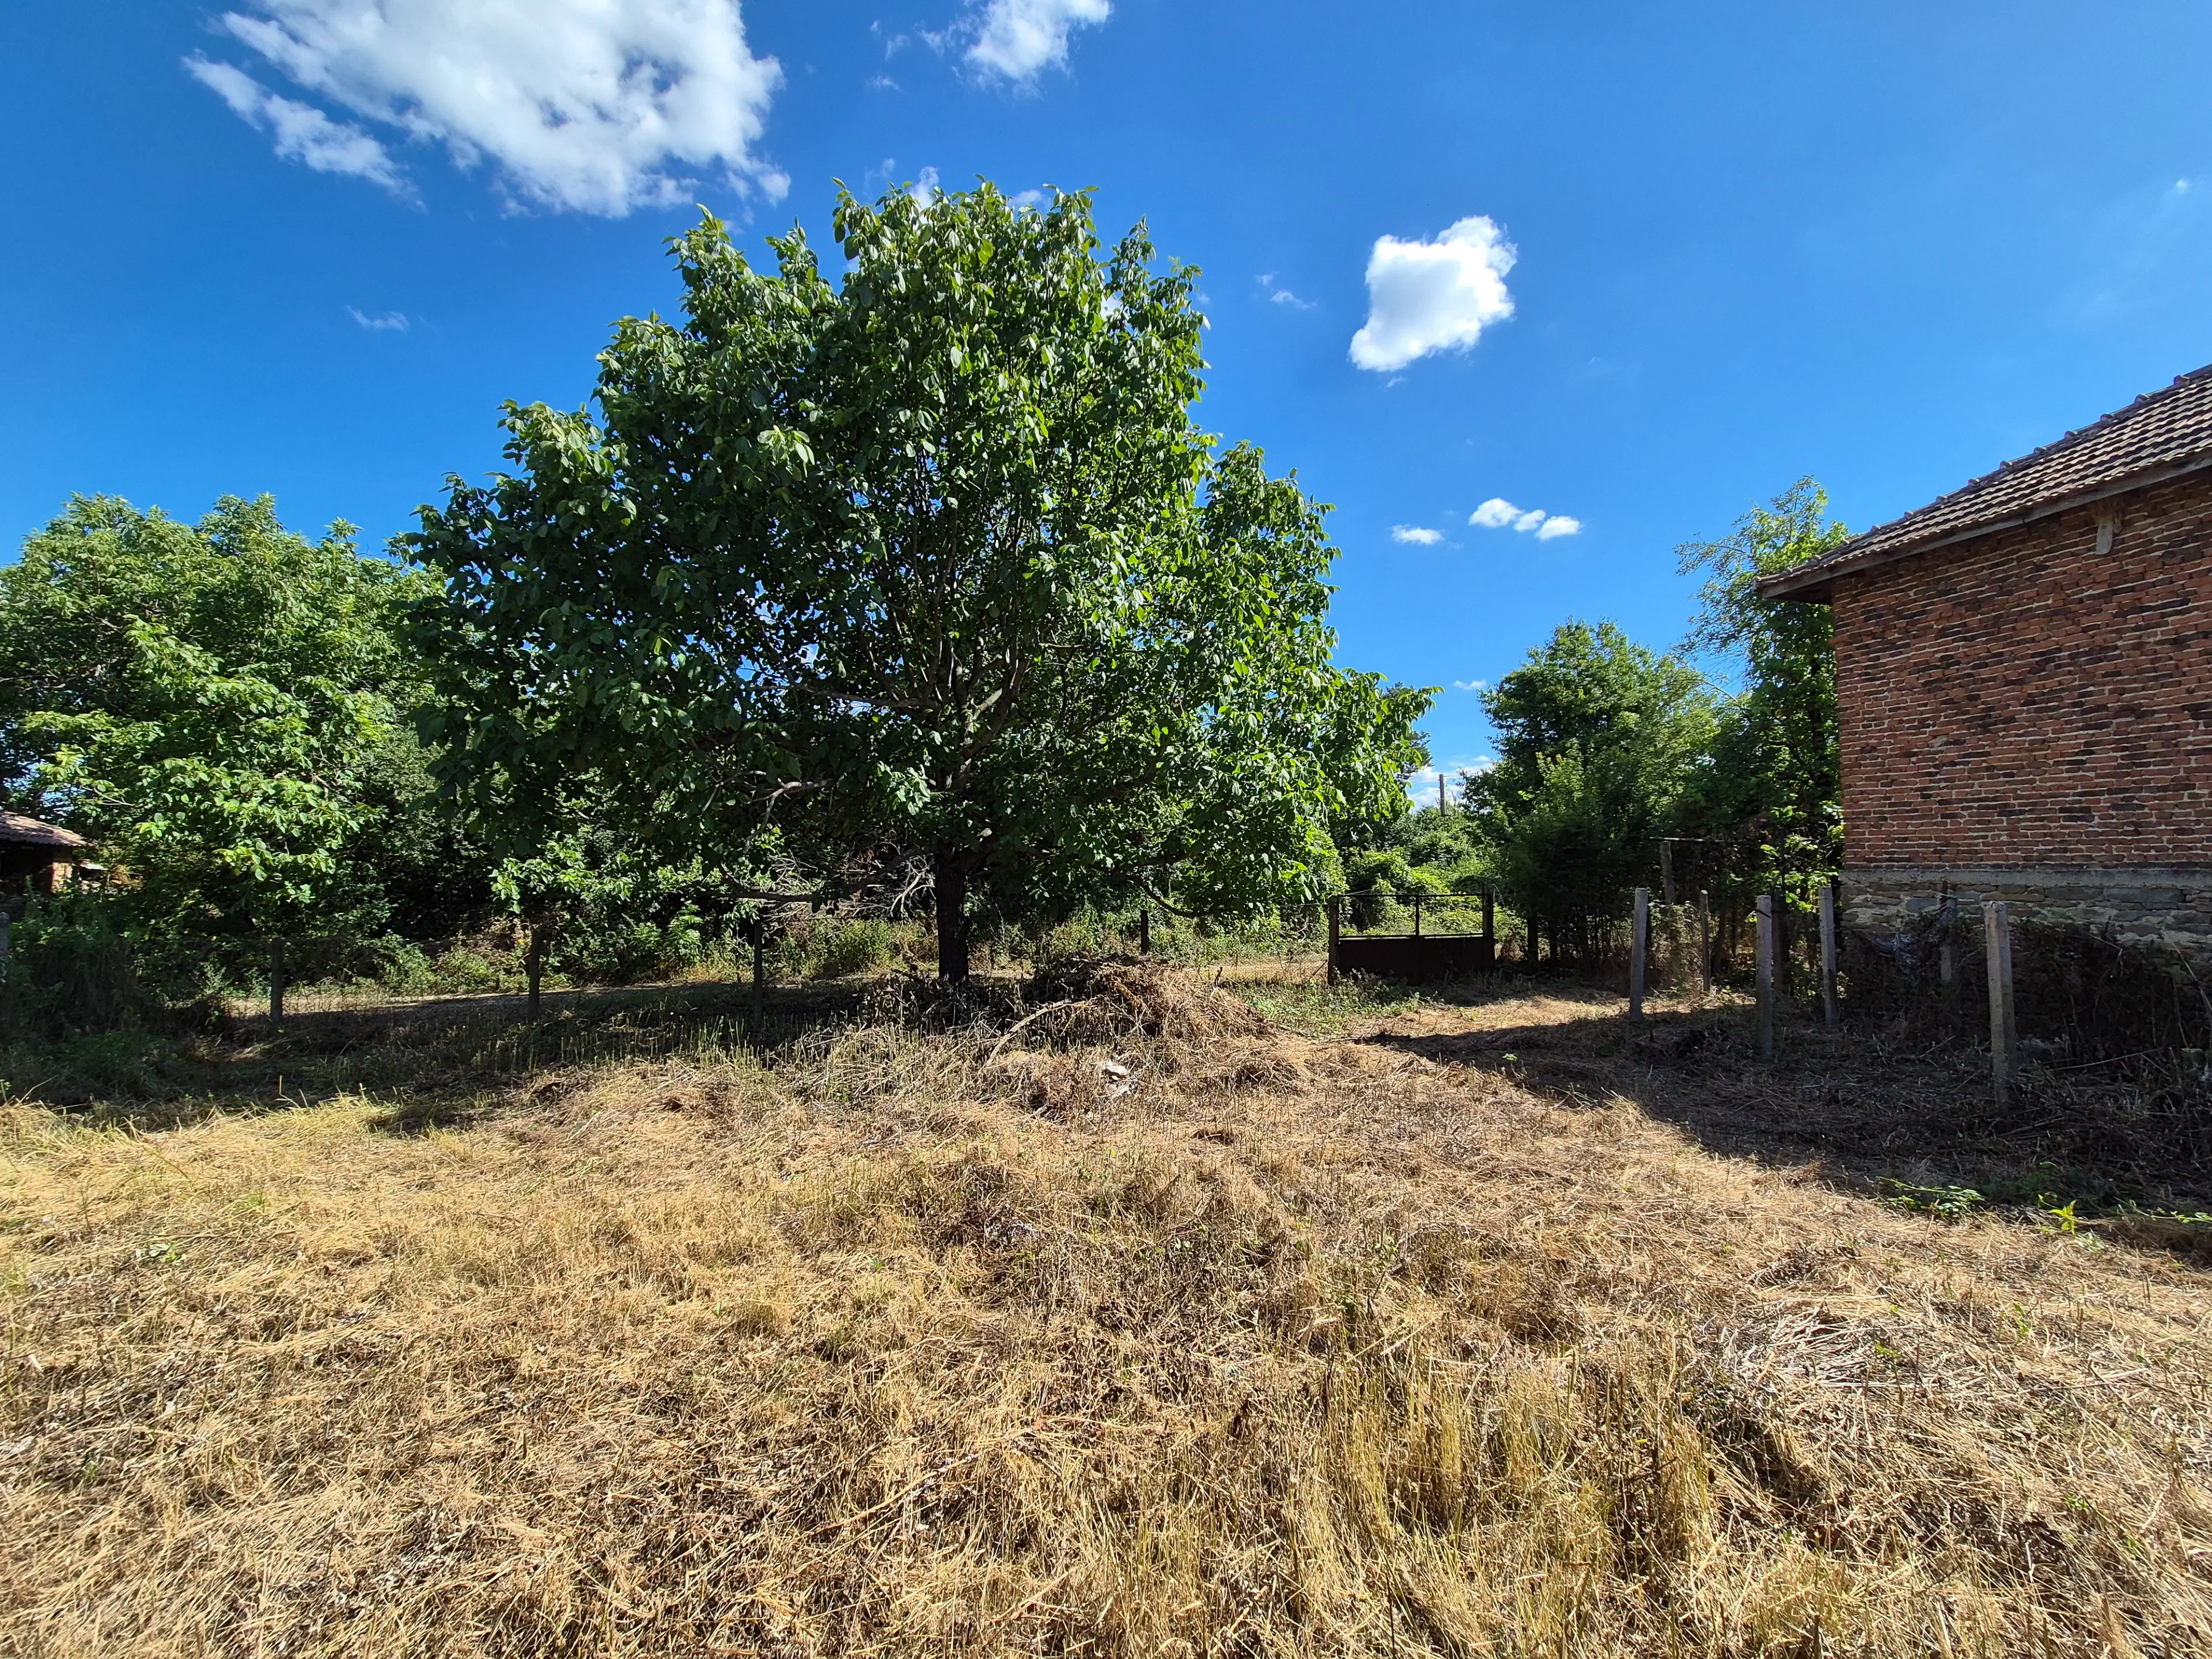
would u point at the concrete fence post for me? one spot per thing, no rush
(760, 981)
(1705, 941)
(1639, 951)
(1765, 968)
(2004, 1030)
(533, 967)
(1947, 956)
(1828, 953)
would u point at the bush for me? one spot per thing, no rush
(70, 973)
(832, 947)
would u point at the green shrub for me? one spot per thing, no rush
(836, 948)
(69, 973)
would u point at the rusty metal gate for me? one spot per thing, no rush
(1422, 956)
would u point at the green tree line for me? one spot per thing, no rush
(919, 582)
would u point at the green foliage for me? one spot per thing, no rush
(69, 973)
(1773, 794)
(1599, 741)
(1944, 1203)
(832, 947)
(932, 559)
(224, 707)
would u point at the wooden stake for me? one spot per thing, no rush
(1705, 940)
(276, 981)
(1667, 869)
(2004, 1033)
(1145, 931)
(1828, 952)
(1335, 928)
(1638, 951)
(1489, 922)
(1766, 976)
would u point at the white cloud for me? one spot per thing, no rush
(1417, 534)
(1433, 296)
(1282, 296)
(924, 189)
(593, 106)
(304, 133)
(1020, 39)
(1498, 514)
(1471, 685)
(392, 322)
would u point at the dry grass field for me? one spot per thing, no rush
(1454, 1328)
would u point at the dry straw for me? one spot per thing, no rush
(1178, 1336)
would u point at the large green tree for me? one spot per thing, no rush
(931, 557)
(1773, 797)
(1599, 740)
(225, 707)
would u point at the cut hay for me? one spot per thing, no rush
(1381, 1352)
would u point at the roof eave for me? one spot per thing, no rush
(1812, 581)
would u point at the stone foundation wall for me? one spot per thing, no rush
(2148, 906)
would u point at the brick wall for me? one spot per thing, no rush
(2020, 701)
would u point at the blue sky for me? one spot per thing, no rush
(1663, 259)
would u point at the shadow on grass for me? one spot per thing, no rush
(1917, 1125)
(432, 1062)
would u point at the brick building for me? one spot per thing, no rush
(2024, 680)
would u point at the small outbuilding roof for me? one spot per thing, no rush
(17, 830)
(2161, 435)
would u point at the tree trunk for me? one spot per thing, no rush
(951, 875)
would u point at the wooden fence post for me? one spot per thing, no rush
(1489, 924)
(1828, 953)
(1667, 869)
(276, 980)
(1705, 940)
(1335, 927)
(7, 948)
(2004, 1033)
(1532, 944)
(1639, 948)
(1417, 915)
(1145, 931)
(1766, 976)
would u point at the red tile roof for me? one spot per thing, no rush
(17, 830)
(2159, 434)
